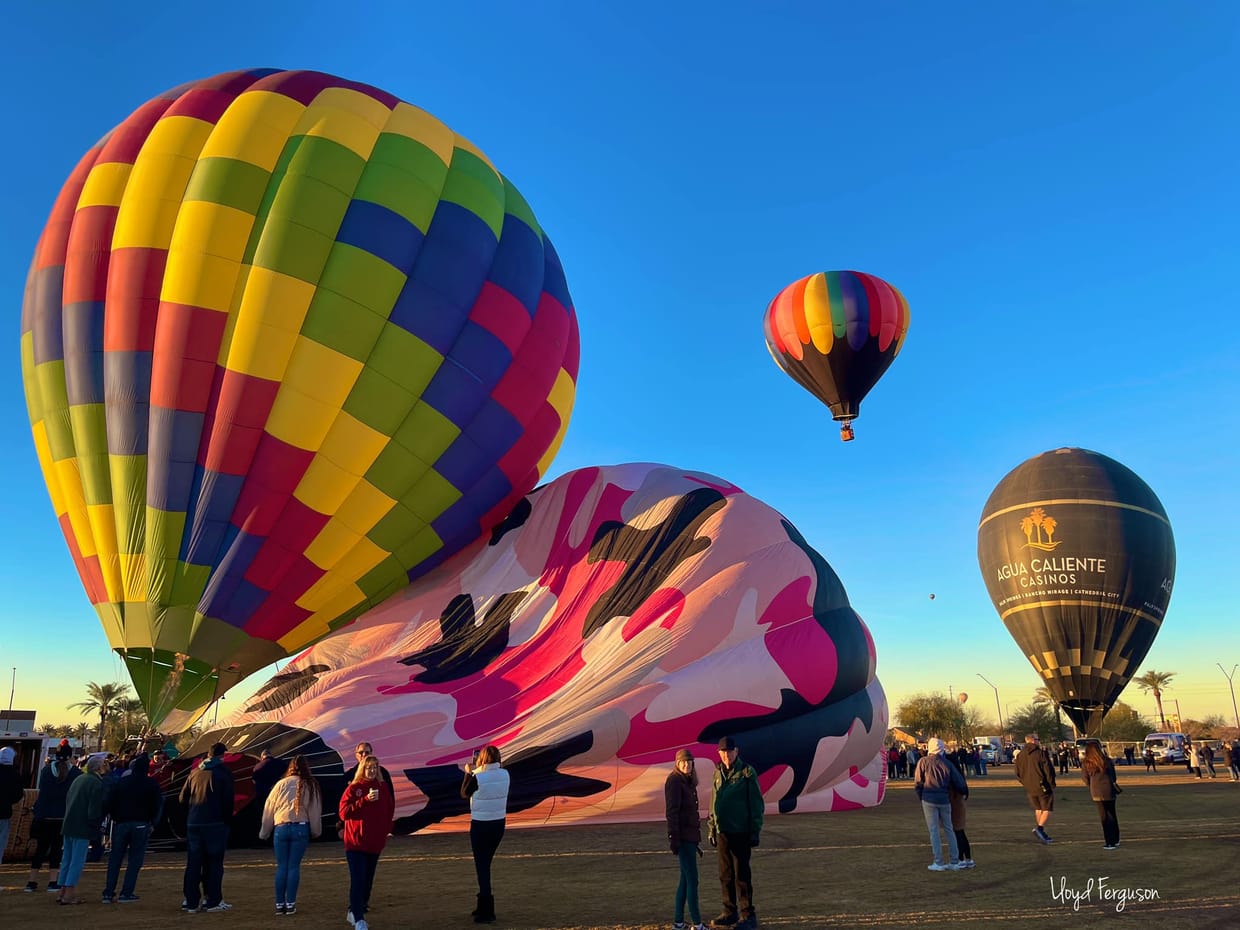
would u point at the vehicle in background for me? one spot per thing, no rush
(1167, 747)
(991, 748)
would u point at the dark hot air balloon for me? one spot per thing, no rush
(1078, 556)
(835, 333)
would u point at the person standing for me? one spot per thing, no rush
(366, 809)
(684, 835)
(1098, 772)
(933, 781)
(49, 815)
(1151, 764)
(1194, 759)
(1229, 760)
(292, 813)
(959, 808)
(10, 793)
(486, 787)
(735, 828)
(83, 814)
(134, 804)
(208, 794)
(1037, 776)
(363, 752)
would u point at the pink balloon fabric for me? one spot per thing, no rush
(619, 614)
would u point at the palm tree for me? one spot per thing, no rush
(101, 698)
(1042, 697)
(1154, 682)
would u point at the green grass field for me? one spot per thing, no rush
(1180, 840)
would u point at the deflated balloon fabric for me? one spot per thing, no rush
(620, 614)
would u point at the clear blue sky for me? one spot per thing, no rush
(1053, 188)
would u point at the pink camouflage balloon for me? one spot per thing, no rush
(619, 614)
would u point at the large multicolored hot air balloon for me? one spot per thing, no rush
(1079, 560)
(835, 333)
(619, 614)
(287, 343)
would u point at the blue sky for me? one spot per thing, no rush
(1053, 188)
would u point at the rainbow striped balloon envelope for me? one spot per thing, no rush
(835, 333)
(287, 343)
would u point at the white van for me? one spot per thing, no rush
(1167, 747)
(991, 748)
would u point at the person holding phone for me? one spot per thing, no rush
(486, 787)
(366, 809)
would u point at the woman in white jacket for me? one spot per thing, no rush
(293, 813)
(486, 787)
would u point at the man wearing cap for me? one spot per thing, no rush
(1036, 774)
(734, 827)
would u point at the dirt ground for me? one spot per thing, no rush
(1181, 842)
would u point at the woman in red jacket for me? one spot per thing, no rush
(366, 810)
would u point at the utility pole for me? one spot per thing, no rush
(1230, 684)
(998, 709)
(8, 719)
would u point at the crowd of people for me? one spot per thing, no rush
(76, 797)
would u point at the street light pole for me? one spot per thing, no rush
(1232, 685)
(998, 709)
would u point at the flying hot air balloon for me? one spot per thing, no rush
(962, 697)
(1079, 560)
(835, 333)
(287, 343)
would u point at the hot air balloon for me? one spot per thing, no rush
(1079, 560)
(962, 697)
(619, 614)
(287, 343)
(835, 333)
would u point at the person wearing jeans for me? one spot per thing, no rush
(135, 804)
(292, 813)
(204, 866)
(83, 814)
(933, 781)
(208, 794)
(684, 836)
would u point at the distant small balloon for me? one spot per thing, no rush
(931, 597)
(962, 697)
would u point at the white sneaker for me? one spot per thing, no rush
(938, 867)
(966, 864)
(351, 919)
(360, 925)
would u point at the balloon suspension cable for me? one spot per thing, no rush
(846, 431)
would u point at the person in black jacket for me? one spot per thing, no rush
(684, 836)
(134, 802)
(11, 792)
(208, 794)
(1036, 773)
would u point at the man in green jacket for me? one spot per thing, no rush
(734, 828)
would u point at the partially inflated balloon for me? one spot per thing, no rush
(1078, 557)
(287, 342)
(835, 333)
(618, 615)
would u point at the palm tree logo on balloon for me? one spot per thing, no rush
(1039, 522)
